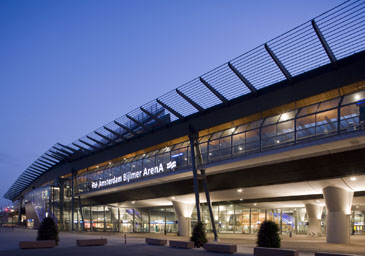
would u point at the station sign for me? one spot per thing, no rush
(135, 175)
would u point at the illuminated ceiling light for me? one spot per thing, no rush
(284, 117)
(133, 202)
(255, 204)
(239, 190)
(278, 141)
(173, 198)
(210, 154)
(357, 97)
(353, 178)
(97, 166)
(110, 162)
(241, 199)
(357, 206)
(240, 148)
(232, 129)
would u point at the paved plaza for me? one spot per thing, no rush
(9, 244)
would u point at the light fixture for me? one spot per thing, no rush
(357, 97)
(110, 162)
(278, 141)
(241, 199)
(239, 190)
(240, 148)
(210, 154)
(357, 206)
(353, 178)
(232, 130)
(255, 204)
(133, 202)
(97, 166)
(284, 116)
(173, 198)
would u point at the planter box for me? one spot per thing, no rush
(263, 251)
(218, 247)
(37, 244)
(155, 241)
(182, 244)
(91, 242)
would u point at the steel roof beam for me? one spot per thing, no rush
(54, 156)
(242, 78)
(96, 141)
(174, 112)
(67, 147)
(278, 63)
(114, 132)
(138, 123)
(104, 137)
(39, 167)
(50, 160)
(30, 174)
(80, 147)
(42, 161)
(65, 152)
(324, 43)
(33, 169)
(153, 116)
(125, 128)
(88, 144)
(193, 103)
(24, 178)
(63, 156)
(213, 90)
(40, 164)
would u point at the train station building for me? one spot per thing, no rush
(274, 134)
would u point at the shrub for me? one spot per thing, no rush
(199, 235)
(268, 235)
(48, 230)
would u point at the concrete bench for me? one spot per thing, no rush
(37, 244)
(155, 241)
(331, 254)
(182, 244)
(91, 242)
(218, 247)
(263, 251)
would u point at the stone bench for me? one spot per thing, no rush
(37, 244)
(182, 244)
(155, 241)
(91, 242)
(263, 251)
(331, 254)
(218, 247)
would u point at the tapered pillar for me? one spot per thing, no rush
(338, 203)
(314, 213)
(183, 211)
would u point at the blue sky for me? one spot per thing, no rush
(68, 67)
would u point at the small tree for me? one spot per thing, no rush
(268, 235)
(199, 236)
(48, 230)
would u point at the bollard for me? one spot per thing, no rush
(125, 238)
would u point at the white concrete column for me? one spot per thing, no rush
(183, 211)
(338, 203)
(314, 213)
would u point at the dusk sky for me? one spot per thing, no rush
(69, 67)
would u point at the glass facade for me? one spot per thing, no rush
(333, 117)
(328, 118)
